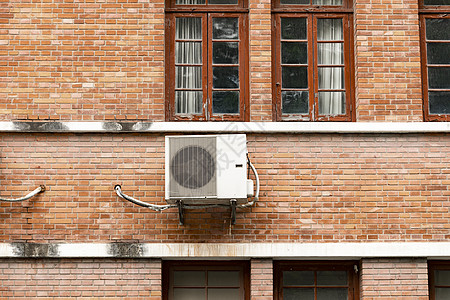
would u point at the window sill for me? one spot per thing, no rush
(226, 127)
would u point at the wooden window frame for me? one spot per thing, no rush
(207, 12)
(350, 266)
(433, 266)
(429, 12)
(313, 13)
(169, 266)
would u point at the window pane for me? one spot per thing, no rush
(295, 102)
(327, 2)
(294, 77)
(223, 1)
(296, 294)
(225, 28)
(226, 77)
(442, 277)
(225, 53)
(331, 78)
(439, 78)
(188, 77)
(330, 53)
(329, 29)
(294, 53)
(335, 294)
(331, 278)
(188, 294)
(223, 278)
(438, 53)
(189, 278)
(439, 102)
(190, 2)
(437, 29)
(293, 28)
(436, 2)
(189, 28)
(298, 277)
(188, 102)
(331, 103)
(225, 102)
(442, 294)
(223, 294)
(188, 53)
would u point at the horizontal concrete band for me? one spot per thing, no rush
(307, 251)
(226, 127)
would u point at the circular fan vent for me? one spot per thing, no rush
(193, 167)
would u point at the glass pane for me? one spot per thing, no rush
(225, 28)
(331, 103)
(188, 294)
(188, 102)
(327, 2)
(225, 102)
(439, 78)
(226, 77)
(225, 52)
(329, 29)
(298, 277)
(293, 28)
(188, 77)
(438, 53)
(189, 278)
(331, 278)
(295, 102)
(442, 277)
(294, 77)
(188, 28)
(223, 294)
(436, 2)
(335, 294)
(223, 1)
(223, 278)
(188, 52)
(190, 2)
(296, 294)
(439, 102)
(331, 78)
(294, 53)
(442, 294)
(330, 53)
(437, 29)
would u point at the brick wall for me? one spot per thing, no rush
(387, 51)
(82, 60)
(80, 278)
(394, 279)
(324, 188)
(261, 279)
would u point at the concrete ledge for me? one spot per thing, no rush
(225, 127)
(306, 251)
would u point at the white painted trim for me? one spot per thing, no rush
(307, 251)
(227, 127)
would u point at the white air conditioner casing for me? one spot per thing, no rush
(206, 169)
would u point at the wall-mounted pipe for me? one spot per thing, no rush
(38, 190)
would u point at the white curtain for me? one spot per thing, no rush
(187, 2)
(330, 53)
(327, 2)
(188, 70)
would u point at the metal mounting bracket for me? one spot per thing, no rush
(233, 211)
(180, 212)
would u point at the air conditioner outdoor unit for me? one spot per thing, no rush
(207, 169)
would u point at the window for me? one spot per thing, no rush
(313, 60)
(207, 63)
(316, 280)
(439, 280)
(206, 280)
(435, 46)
